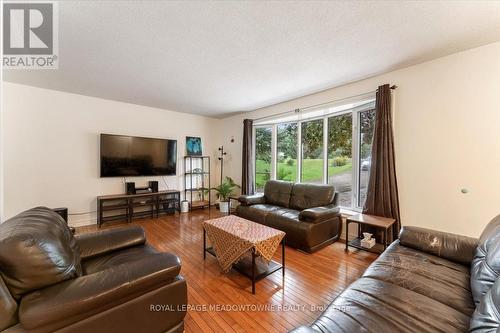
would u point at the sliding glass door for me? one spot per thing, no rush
(312, 151)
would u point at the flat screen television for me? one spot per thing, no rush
(127, 156)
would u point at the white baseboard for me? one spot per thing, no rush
(82, 220)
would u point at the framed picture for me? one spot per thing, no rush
(193, 146)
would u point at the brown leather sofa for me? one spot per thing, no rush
(307, 213)
(109, 281)
(427, 281)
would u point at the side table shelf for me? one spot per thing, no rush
(378, 222)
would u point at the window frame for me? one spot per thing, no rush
(356, 137)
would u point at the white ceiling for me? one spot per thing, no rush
(216, 58)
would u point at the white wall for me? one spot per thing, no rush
(447, 123)
(1, 158)
(51, 142)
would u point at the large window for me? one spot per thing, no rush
(287, 152)
(263, 157)
(325, 146)
(367, 126)
(340, 156)
(312, 151)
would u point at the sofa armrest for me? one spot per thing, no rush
(319, 214)
(335, 201)
(74, 300)
(102, 242)
(442, 244)
(254, 199)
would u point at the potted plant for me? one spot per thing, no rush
(224, 191)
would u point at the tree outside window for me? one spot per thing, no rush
(263, 141)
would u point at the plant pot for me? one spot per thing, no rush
(224, 206)
(184, 206)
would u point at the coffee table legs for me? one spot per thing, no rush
(253, 271)
(204, 244)
(254, 264)
(283, 259)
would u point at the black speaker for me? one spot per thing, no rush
(153, 185)
(63, 211)
(130, 187)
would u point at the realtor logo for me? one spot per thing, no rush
(30, 35)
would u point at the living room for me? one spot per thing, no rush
(202, 166)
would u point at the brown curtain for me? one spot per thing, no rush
(382, 192)
(247, 185)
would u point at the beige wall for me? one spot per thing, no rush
(447, 123)
(51, 147)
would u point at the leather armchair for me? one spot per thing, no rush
(115, 279)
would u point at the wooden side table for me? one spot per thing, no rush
(369, 220)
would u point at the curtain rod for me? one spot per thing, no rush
(393, 87)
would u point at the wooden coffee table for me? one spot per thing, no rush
(233, 237)
(370, 220)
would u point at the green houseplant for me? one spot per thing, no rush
(224, 191)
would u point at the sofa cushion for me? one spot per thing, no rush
(72, 301)
(277, 192)
(485, 268)
(287, 220)
(371, 305)
(437, 278)
(37, 250)
(256, 213)
(306, 196)
(486, 318)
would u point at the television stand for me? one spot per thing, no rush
(125, 207)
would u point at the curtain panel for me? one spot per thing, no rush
(247, 174)
(382, 192)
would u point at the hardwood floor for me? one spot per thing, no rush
(311, 281)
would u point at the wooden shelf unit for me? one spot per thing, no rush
(197, 181)
(118, 207)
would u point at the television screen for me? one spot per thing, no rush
(127, 156)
